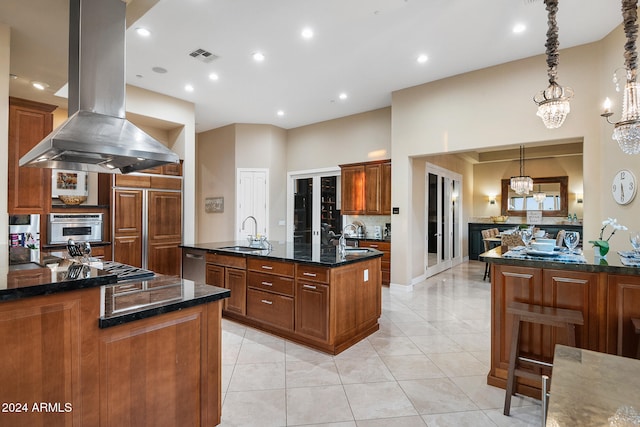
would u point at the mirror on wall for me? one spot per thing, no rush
(555, 202)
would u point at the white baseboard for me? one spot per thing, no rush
(402, 288)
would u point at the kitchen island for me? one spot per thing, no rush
(606, 291)
(306, 293)
(80, 348)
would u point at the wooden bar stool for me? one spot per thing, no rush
(550, 316)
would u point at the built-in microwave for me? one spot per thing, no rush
(83, 227)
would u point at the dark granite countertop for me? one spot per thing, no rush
(373, 239)
(610, 264)
(323, 255)
(139, 299)
(32, 279)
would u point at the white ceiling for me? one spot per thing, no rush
(365, 48)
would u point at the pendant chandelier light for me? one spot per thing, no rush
(521, 184)
(627, 131)
(553, 102)
(539, 195)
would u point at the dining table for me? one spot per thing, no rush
(589, 388)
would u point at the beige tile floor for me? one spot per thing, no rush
(426, 366)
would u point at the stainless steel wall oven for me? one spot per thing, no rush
(86, 227)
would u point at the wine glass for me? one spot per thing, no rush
(634, 238)
(526, 234)
(571, 239)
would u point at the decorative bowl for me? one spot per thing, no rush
(73, 200)
(499, 219)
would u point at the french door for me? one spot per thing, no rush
(443, 246)
(313, 205)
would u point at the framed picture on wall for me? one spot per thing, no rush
(69, 183)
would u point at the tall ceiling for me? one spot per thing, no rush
(364, 48)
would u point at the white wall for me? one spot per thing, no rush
(5, 43)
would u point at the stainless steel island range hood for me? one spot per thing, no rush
(96, 137)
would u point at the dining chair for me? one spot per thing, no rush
(494, 232)
(486, 234)
(511, 240)
(560, 238)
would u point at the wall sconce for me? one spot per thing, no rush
(578, 197)
(492, 199)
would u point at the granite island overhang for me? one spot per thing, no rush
(307, 293)
(605, 290)
(80, 349)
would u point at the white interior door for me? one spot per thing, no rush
(443, 227)
(252, 195)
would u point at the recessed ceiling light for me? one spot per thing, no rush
(13, 76)
(188, 88)
(140, 76)
(307, 33)
(342, 96)
(519, 28)
(258, 56)
(213, 76)
(143, 32)
(39, 85)
(280, 113)
(159, 70)
(422, 58)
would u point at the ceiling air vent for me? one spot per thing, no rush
(203, 55)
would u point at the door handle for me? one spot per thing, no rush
(194, 256)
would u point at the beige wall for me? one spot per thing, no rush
(216, 177)
(220, 152)
(492, 108)
(487, 180)
(5, 43)
(357, 138)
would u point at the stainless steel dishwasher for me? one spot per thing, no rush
(194, 264)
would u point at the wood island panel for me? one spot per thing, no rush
(164, 370)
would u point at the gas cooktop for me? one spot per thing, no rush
(125, 271)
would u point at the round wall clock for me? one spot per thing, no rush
(623, 187)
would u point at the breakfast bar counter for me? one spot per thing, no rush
(605, 290)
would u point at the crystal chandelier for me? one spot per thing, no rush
(627, 130)
(539, 195)
(553, 102)
(521, 184)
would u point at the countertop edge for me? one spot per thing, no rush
(168, 308)
(14, 294)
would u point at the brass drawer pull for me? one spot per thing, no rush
(309, 274)
(267, 284)
(373, 246)
(267, 267)
(309, 287)
(267, 301)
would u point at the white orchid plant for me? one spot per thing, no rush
(601, 243)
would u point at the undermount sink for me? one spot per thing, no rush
(356, 251)
(246, 249)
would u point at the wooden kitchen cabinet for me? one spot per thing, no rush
(270, 292)
(312, 310)
(353, 201)
(29, 189)
(147, 216)
(228, 272)
(366, 188)
(127, 227)
(623, 296)
(385, 248)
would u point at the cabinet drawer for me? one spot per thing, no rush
(313, 273)
(381, 246)
(385, 265)
(271, 283)
(276, 310)
(273, 267)
(227, 260)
